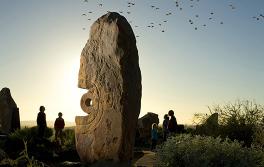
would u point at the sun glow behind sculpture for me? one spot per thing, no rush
(73, 94)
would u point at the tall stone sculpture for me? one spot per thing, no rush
(9, 113)
(109, 69)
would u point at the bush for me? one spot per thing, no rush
(237, 121)
(23, 160)
(14, 143)
(196, 151)
(27, 133)
(69, 138)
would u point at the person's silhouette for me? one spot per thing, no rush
(165, 127)
(172, 126)
(59, 126)
(41, 121)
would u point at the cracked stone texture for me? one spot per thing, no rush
(9, 113)
(109, 69)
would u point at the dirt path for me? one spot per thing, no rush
(147, 160)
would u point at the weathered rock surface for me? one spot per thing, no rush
(210, 127)
(145, 125)
(9, 113)
(109, 69)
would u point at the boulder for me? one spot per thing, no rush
(109, 69)
(9, 113)
(145, 125)
(210, 126)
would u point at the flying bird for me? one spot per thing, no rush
(232, 7)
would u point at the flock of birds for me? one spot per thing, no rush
(178, 5)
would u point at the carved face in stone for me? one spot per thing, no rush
(99, 67)
(109, 70)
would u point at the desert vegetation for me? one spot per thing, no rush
(236, 140)
(188, 150)
(24, 148)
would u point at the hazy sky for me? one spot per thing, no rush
(182, 68)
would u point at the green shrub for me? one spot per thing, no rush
(23, 160)
(239, 120)
(69, 138)
(27, 133)
(258, 136)
(14, 144)
(196, 151)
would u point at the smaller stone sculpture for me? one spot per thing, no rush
(210, 127)
(9, 113)
(145, 123)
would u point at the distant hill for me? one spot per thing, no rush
(49, 124)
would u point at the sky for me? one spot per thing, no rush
(185, 68)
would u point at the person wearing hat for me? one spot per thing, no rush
(59, 126)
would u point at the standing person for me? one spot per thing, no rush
(154, 136)
(172, 126)
(59, 126)
(165, 127)
(41, 121)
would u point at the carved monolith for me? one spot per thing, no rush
(9, 113)
(109, 69)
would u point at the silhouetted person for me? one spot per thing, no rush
(59, 126)
(165, 127)
(154, 136)
(172, 126)
(41, 121)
